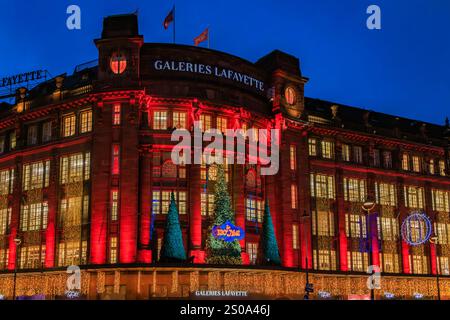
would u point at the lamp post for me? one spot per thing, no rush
(17, 242)
(368, 206)
(434, 240)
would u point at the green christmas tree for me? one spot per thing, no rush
(219, 251)
(269, 246)
(172, 249)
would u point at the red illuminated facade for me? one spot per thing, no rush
(86, 173)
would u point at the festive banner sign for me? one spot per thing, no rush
(228, 232)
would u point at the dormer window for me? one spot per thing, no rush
(118, 62)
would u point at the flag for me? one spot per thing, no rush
(170, 17)
(202, 37)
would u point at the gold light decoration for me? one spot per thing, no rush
(194, 281)
(116, 282)
(100, 282)
(174, 286)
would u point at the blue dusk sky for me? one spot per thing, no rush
(402, 69)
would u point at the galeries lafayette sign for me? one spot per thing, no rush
(211, 70)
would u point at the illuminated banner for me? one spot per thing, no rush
(206, 69)
(21, 78)
(228, 232)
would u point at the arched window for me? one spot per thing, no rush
(169, 169)
(251, 179)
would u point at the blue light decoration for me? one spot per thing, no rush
(324, 295)
(72, 294)
(389, 295)
(365, 243)
(416, 229)
(228, 232)
(418, 295)
(2, 297)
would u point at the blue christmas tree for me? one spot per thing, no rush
(269, 246)
(172, 249)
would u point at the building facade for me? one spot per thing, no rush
(86, 176)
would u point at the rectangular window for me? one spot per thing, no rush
(324, 259)
(414, 197)
(293, 157)
(358, 261)
(6, 181)
(179, 120)
(114, 205)
(254, 209)
(443, 266)
(386, 194)
(354, 190)
(31, 257)
(252, 250)
(357, 154)
(161, 201)
(2, 144)
(405, 162)
(32, 135)
(376, 158)
(5, 220)
(327, 149)
(431, 169)
(113, 250)
(294, 196)
(416, 163)
(442, 168)
(222, 124)
(69, 125)
(388, 229)
(355, 226)
(4, 258)
(345, 152)
(418, 264)
(322, 186)
(387, 159)
(74, 168)
(116, 114)
(207, 204)
(35, 175)
(205, 120)
(312, 146)
(86, 121)
(47, 131)
(33, 217)
(160, 120)
(442, 231)
(72, 253)
(295, 237)
(12, 140)
(115, 169)
(440, 200)
(389, 262)
(323, 223)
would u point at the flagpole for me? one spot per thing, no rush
(208, 37)
(174, 21)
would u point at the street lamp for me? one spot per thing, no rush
(368, 206)
(434, 240)
(17, 242)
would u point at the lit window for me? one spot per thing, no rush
(443, 265)
(161, 201)
(72, 210)
(254, 210)
(293, 157)
(294, 196)
(416, 163)
(355, 226)
(414, 197)
(345, 152)
(207, 204)
(295, 234)
(32, 135)
(6, 181)
(114, 205)
(69, 122)
(116, 118)
(312, 145)
(252, 250)
(357, 154)
(431, 169)
(418, 264)
(323, 223)
(72, 253)
(324, 259)
(113, 250)
(358, 261)
(442, 231)
(74, 168)
(442, 168)
(205, 120)
(47, 131)
(322, 186)
(118, 63)
(31, 257)
(440, 200)
(160, 120)
(327, 149)
(4, 258)
(179, 120)
(5, 220)
(2, 144)
(86, 121)
(389, 262)
(35, 175)
(387, 228)
(33, 217)
(115, 159)
(405, 162)
(221, 124)
(12, 140)
(387, 159)
(354, 190)
(386, 194)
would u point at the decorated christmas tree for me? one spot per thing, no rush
(269, 246)
(219, 251)
(172, 249)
